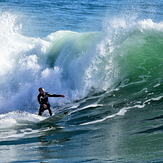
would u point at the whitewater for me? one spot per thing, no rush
(111, 73)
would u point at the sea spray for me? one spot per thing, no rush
(19, 65)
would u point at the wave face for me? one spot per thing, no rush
(127, 57)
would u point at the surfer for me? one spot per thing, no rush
(43, 101)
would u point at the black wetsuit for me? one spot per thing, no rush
(43, 99)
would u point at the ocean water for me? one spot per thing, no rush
(105, 56)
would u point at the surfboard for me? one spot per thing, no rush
(55, 118)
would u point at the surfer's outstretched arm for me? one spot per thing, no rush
(54, 95)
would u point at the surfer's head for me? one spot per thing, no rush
(41, 90)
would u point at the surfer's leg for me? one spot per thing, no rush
(50, 111)
(41, 110)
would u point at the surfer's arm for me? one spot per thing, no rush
(40, 102)
(39, 99)
(54, 95)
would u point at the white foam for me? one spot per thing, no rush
(18, 118)
(120, 113)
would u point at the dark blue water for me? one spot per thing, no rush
(105, 56)
(41, 18)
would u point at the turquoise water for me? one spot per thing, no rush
(105, 56)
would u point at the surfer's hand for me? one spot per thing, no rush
(45, 106)
(63, 96)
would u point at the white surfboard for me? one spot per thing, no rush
(55, 118)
